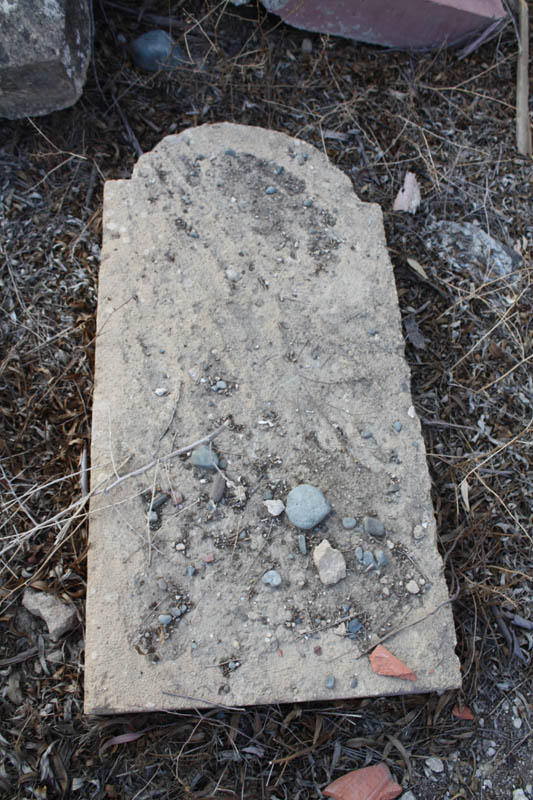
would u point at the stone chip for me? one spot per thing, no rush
(329, 562)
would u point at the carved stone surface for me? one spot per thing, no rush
(243, 282)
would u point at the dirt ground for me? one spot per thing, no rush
(468, 329)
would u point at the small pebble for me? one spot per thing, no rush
(164, 619)
(220, 386)
(302, 544)
(156, 50)
(435, 764)
(218, 488)
(348, 523)
(270, 190)
(306, 506)
(222, 463)
(353, 627)
(368, 559)
(372, 331)
(381, 558)
(204, 457)
(330, 682)
(274, 507)
(353, 683)
(176, 612)
(190, 571)
(267, 495)
(411, 412)
(374, 527)
(359, 554)
(161, 391)
(309, 202)
(412, 587)
(307, 46)
(272, 578)
(158, 501)
(152, 517)
(233, 665)
(180, 546)
(366, 434)
(397, 426)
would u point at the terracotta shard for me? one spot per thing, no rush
(462, 713)
(369, 783)
(404, 23)
(384, 663)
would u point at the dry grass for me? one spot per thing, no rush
(376, 114)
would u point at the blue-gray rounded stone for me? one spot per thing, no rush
(272, 578)
(164, 619)
(348, 523)
(306, 506)
(204, 457)
(374, 527)
(156, 50)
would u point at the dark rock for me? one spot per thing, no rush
(156, 50)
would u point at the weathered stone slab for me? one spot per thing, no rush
(44, 53)
(242, 281)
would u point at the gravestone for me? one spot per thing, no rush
(44, 53)
(247, 303)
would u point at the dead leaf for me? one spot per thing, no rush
(462, 713)
(465, 489)
(408, 198)
(369, 783)
(122, 738)
(384, 663)
(414, 334)
(414, 264)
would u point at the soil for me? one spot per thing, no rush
(377, 114)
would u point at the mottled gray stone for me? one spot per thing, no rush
(44, 53)
(58, 616)
(374, 527)
(306, 506)
(204, 457)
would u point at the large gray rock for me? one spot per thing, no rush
(241, 256)
(44, 52)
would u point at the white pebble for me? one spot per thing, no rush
(412, 587)
(161, 391)
(435, 764)
(274, 507)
